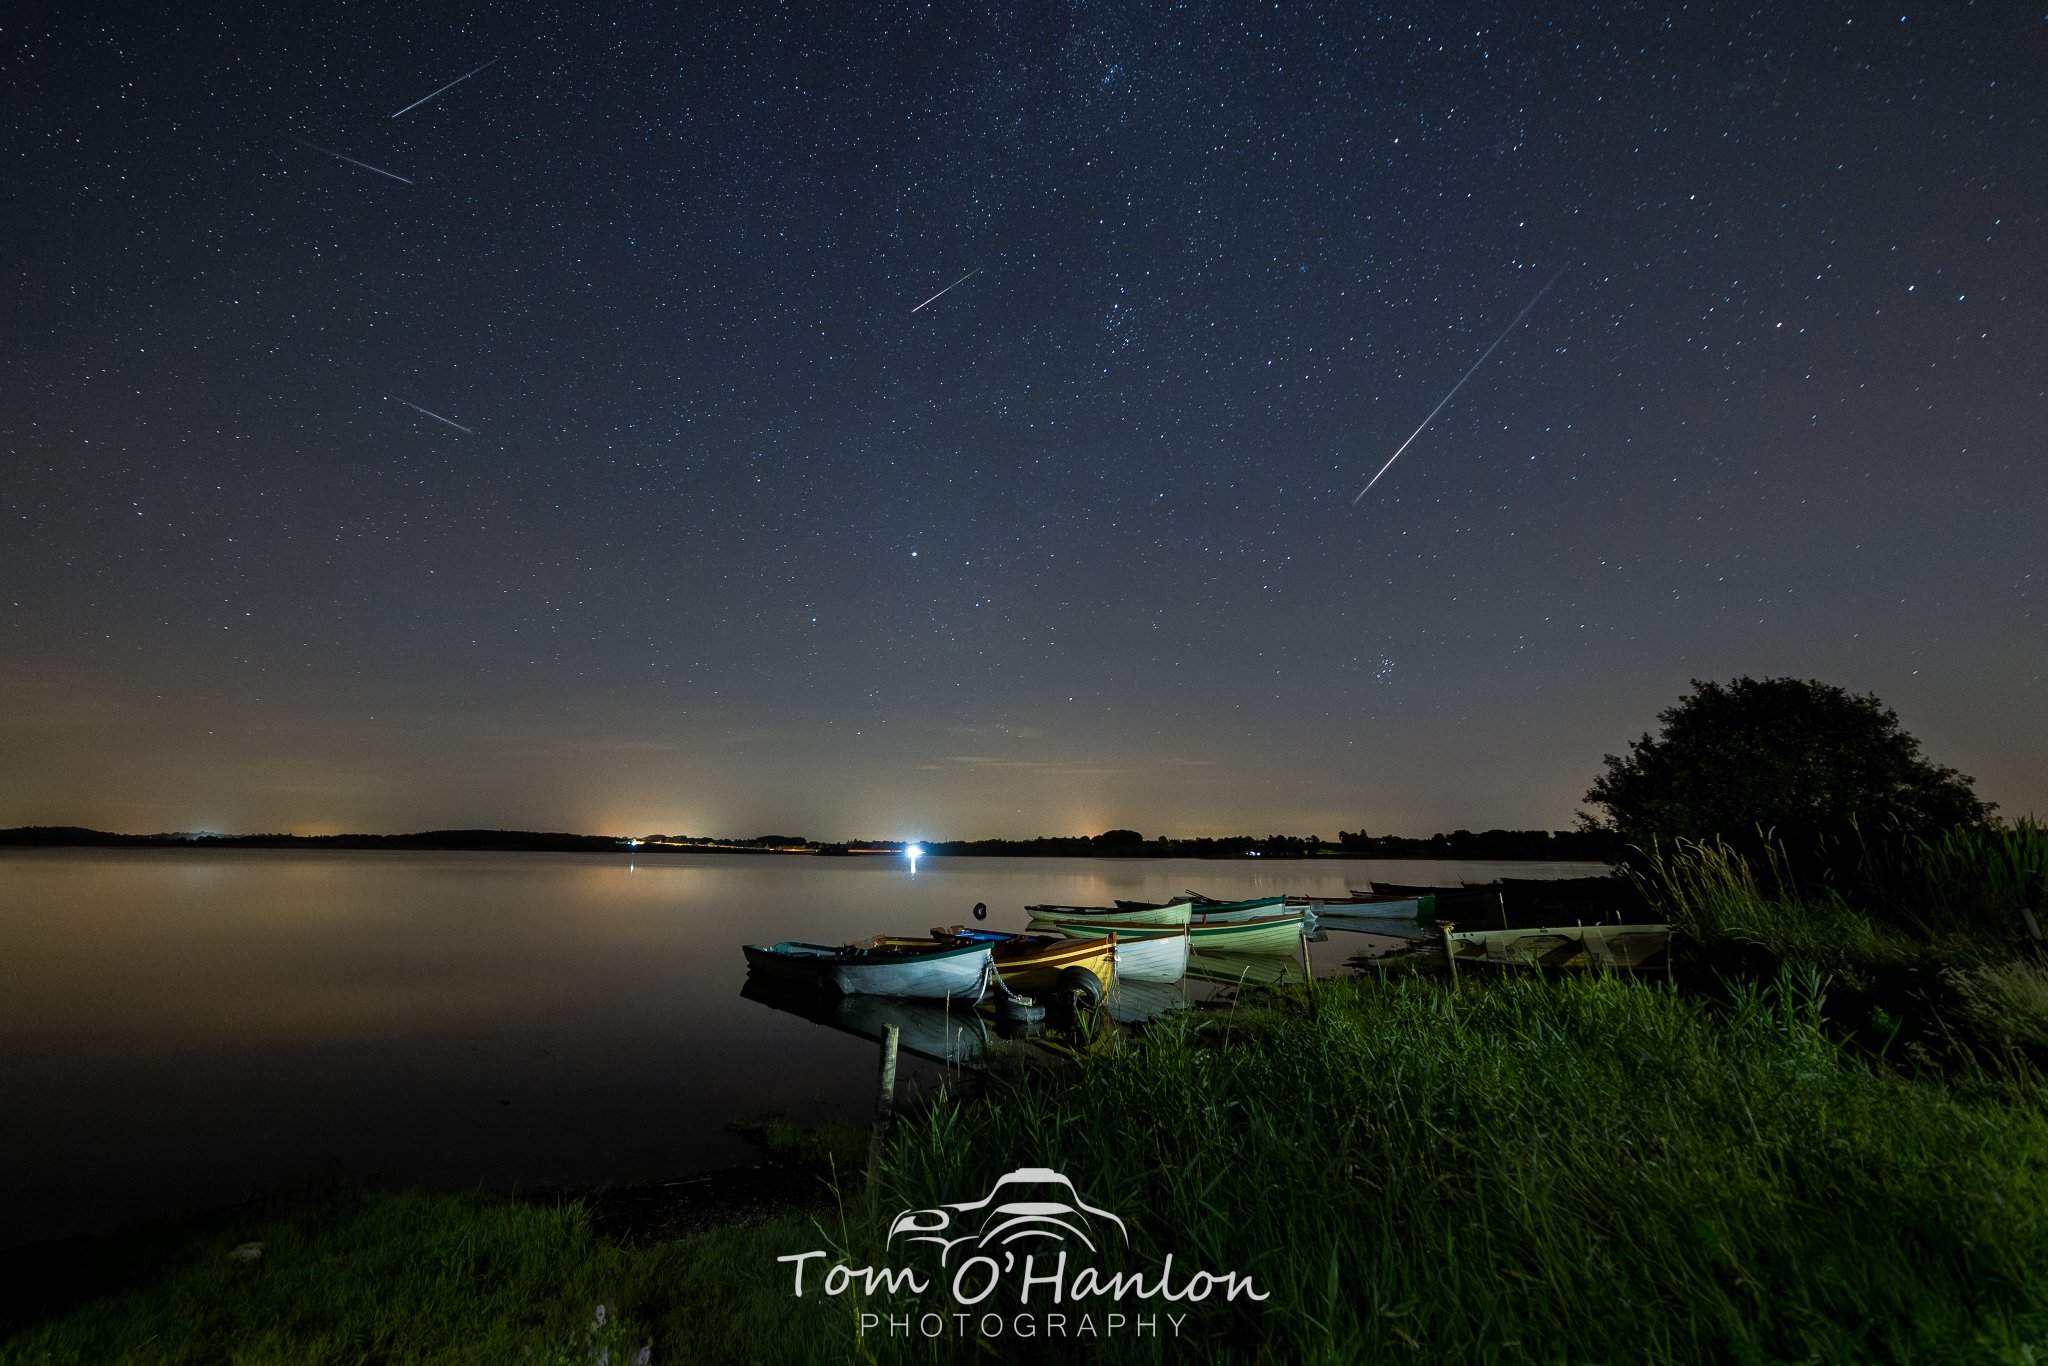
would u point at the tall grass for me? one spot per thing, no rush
(1591, 1170)
(1961, 897)
(1712, 894)
(1966, 882)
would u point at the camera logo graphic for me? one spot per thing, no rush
(1030, 1203)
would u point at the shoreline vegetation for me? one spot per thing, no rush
(1547, 846)
(1822, 1138)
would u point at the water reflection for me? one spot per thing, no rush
(191, 1028)
(966, 1036)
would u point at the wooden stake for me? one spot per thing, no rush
(885, 1100)
(1450, 954)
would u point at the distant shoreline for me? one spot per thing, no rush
(1518, 846)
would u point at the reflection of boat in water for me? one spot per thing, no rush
(1243, 969)
(881, 966)
(929, 1029)
(1136, 1000)
(1568, 946)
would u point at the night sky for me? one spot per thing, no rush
(723, 534)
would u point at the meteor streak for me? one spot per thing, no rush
(955, 285)
(450, 86)
(1459, 385)
(434, 415)
(349, 159)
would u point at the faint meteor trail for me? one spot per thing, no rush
(349, 159)
(431, 413)
(955, 285)
(450, 86)
(1459, 385)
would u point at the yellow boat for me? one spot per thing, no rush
(1033, 964)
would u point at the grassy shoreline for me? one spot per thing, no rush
(1521, 1170)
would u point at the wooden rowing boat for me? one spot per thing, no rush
(1369, 906)
(1163, 920)
(1569, 946)
(1153, 958)
(1270, 934)
(1205, 910)
(886, 965)
(1170, 914)
(1032, 963)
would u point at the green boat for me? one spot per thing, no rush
(1271, 935)
(1169, 917)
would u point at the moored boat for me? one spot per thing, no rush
(1270, 934)
(1096, 923)
(1369, 906)
(1034, 963)
(1204, 910)
(921, 969)
(1153, 958)
(1265, 936)
(1132, 913)
(1564, 946)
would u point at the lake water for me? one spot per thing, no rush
(184, 1030)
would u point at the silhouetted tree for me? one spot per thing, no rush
(1800, 761)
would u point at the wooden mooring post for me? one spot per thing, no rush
(885, 1100)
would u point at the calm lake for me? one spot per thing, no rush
(183, 1030)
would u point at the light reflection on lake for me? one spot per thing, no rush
(183, 1029)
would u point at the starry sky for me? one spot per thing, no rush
(590, 464)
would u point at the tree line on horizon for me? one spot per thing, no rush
(1554, 845)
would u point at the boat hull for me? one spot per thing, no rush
(1268, 935)
(940, 973)
(1626, 947)
(1379, 908)
(1033, 963)
(1169, 915)
(1152, 958)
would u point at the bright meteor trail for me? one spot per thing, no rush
(434, 415)
(1459, 385)
(349, 159)
(955, 285)
(450, 86)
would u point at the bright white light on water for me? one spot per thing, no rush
(913, 852)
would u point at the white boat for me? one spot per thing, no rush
(921, 970)
(1172, 913)
(1369, 908)
(1080, 922)
(1154, 958)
